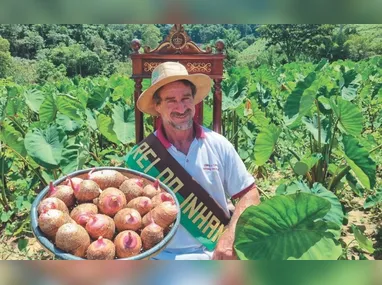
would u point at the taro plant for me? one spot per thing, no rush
(48, 131)
(296, 226)
(323, 108)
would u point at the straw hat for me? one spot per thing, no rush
(168, 72)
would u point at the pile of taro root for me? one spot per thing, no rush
(106, 215)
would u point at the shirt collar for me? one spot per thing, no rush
(199, 133)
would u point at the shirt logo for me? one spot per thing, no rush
(211, 167)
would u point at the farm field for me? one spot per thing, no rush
(310, 132)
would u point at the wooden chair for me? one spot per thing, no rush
(178, 46)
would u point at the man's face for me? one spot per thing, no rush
(177, 106)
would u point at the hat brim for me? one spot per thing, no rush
(202, 83)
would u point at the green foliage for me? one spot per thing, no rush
(289, 227)
(5, 57)
(47, 71)
(151, 36)
(293, 40)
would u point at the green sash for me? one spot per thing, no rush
(203, 218)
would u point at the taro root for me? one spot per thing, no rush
(128, 219)
(83, 212)
(127, 244)
(50, 204)
(101, 249)
(151, 235)
(51, 220)
(73, 239)
(86, 191)
(63, 192)
(160, 198)
(73, 182)
(150, 190)
(142, 204)
(163, 215)
(111, 201)
(107, 178)
(100, 225)
(132, 188)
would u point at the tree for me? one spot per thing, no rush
(294, 40)
(151, 36)
(29, 45)
(77, 59)
(5, 57)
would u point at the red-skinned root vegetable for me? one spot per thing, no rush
(72, 181)
(73, 239)
(132, 188)
(51, 220)
(163, 215)
(63, 192)
(128, 219)
(160, 198)
(107, 178)
(127, 244)
(151, 190)
(151, 235)
(83, 212)
(111, 201)
(101, 249)
(86, 191)
(50, 204)
(100, 225)
(142, 204)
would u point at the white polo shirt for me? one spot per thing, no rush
(213, 162)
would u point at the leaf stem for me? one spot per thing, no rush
(262, 192)
(374, 149)
(27, 163)
(319, 125)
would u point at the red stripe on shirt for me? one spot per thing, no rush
(244, 191)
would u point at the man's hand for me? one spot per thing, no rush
(224, 248)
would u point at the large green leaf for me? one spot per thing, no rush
(265, 143)
(13, 139)
(307, 101)
(350, 120)
(363, 241)
(90, 120)
(105, 126)
(349, 84)
(373, 200)
(15, 106)
(311, 159)
(292, 105)
(48, 109)
(82, 96)
(74, 157)
(67, 124)
(360, 162)
(286, 227)
(336, 213)
(70, 107)
(3, 104)
(45, 146)
(98, 97)
(34, 99)
(124, 123)
(312, 126)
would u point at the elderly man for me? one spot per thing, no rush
(201, 166)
